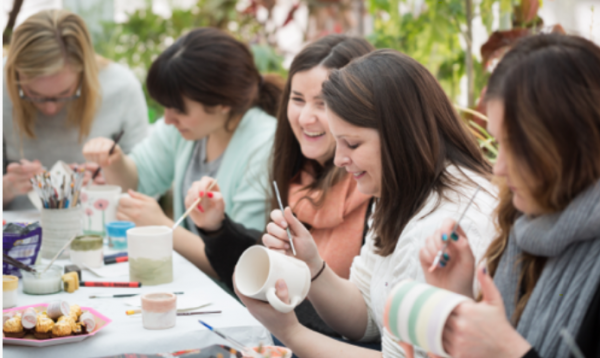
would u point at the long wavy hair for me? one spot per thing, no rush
(330, 52)
(42, 46)
(550, 88)
(420, 132)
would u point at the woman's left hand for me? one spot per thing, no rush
(481, 329)
(141, 210)
(282, 325)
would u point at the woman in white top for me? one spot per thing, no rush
(398, 134)
(57, 94)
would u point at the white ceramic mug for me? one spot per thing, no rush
(150, 251)
(259, 268)
(100, 204)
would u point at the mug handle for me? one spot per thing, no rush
(278, 304)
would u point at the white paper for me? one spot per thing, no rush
(112, 270)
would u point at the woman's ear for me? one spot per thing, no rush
(224, 110)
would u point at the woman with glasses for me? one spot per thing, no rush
(57, 94)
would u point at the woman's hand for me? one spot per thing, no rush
(142, 210)
(210, 212)
(16, 180)
(456, 270)
(97, 149)
(282, 325)
(481, 329)
(89, 170)
(276, 239)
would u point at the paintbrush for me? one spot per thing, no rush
(194, 204)
(132, 312)
(289, 234)
(237, 345)
(17, 263)
(125, 295)
(438, 257)
(58, 254)
(112, 149)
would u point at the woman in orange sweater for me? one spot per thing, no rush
(323, 197)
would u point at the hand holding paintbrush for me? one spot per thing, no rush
(196, 203)
(110, 152)
(446, 257)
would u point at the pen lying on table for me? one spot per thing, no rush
(125, 295)
(110, 284)
(132, 312)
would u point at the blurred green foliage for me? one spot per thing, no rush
(432, 34)
(139, 40)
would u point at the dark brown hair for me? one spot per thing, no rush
(331, 52)
(420, 133)
(211, 67)
(550, 87)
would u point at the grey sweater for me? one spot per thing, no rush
(123, 106)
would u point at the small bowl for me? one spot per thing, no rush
(42, 284)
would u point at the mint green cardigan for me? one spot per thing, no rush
(162, 160)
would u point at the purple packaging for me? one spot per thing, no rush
(21, 241)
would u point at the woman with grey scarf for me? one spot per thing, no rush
(541, 275)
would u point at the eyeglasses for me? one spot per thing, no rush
(49, 99)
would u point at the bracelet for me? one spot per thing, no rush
(320, 272)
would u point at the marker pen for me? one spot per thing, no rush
(110, 284)
(115, 260)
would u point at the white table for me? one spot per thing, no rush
(126, 334)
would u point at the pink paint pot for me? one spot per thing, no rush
(159, 310)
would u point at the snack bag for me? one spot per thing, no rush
(21, 241)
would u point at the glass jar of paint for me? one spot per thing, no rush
(42, 283)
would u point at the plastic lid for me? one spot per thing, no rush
(119, 228)
(9, 283)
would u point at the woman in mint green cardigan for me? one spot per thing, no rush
(218, 122)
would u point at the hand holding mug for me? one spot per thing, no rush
(481, 329)
(259, 269)
(210, 212)
(280, 324)
(277, 239)
(456, 270)
(97, 151)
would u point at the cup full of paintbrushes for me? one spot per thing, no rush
(58, 227)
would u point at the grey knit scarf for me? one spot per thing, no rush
(571, 242)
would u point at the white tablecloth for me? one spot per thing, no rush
(127, 335)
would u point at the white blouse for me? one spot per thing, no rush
(376, 275)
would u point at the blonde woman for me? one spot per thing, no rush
(57, 94)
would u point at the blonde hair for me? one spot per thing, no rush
(42, 46)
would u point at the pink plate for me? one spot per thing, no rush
(101, 322)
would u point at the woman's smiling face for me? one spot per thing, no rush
(306, 113)
(358, 150)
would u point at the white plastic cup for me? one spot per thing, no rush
(58, 227)
(150, 251)
(259, 268)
